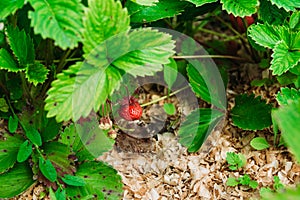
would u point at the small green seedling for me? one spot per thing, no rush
(244, 180)
(235, 161)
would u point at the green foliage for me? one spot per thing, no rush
(60, 194)
(71, 138)
(287, 117)
(243, 180)
(170, 73)
(24, 152)
(21, 45)
(33, 135)
(7, 62)
(16, 180)
(100, 180)
(235, 161)
(13, 124)
(38, 45)
(73, 180)
(205, 84)
(197, 126)
(284, 43)
(240, 7)
(259, 143)
(86, 86)
(36, 73)
(146, 2)
(103, 20)
(3, 105)
(232, 182)
(251, 113)
(59, 154)
(291, 193)
(201, 2)
(288, 5)
(65, 31)
(162, 9)
(294, 22)
(246, 180)
(47, 169)
(170, 108)
(286, 95)
(9, 147)
(271, 14)
(277, 184)
(9, 6)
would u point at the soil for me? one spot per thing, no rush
(160, 168)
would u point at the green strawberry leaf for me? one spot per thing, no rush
(259, 143)
(36, 73)
(286, 95)
(251, 113)
(271, 14)
(73, 180)
(169, 108)
(240, 8)
(59, 154)
(3, 105)
(33, 135)
(162, 9)
(104, 19)
(13, 122)
(147, 50)
(253, 184)
(244, 180)
(265, 35)
(14, 86)
(207, 83)
(60, 194)
(47, 169)
(146, 2)
(232, 182)
(49, 19)
(201, 2)
(101, 181)
(287, 117)
(7, 62)
(294, 22)
(235, 160)
(288, 5)
(16, 180)
(197, 126)
(24, 152)
(71, 138)
(283, 58)
(170, 73)
(21, 44)
(52, 194)
(9, 7)
(9, 147)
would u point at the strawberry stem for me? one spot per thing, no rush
(163, 97)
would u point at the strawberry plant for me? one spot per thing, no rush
(65, 65)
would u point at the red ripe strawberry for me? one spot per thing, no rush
(130, 109)
(238, 24)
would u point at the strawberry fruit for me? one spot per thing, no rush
(238, 23)
(130, 109)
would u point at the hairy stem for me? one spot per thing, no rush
(164, 97)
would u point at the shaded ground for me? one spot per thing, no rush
(167, 171)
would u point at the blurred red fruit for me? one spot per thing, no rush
(130, 109)
(238, 24)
